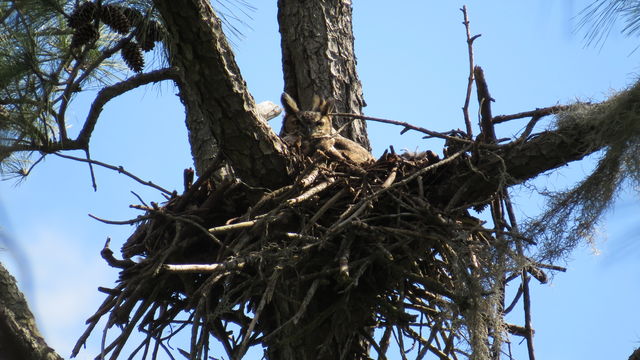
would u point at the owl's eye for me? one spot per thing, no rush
(319, 123)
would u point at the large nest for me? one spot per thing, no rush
(343, 261)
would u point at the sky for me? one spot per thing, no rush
(412, 61)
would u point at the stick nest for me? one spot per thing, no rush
(344, 261)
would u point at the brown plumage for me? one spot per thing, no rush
(313, 131)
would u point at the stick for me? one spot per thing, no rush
(537, 112)
(124, 222)
(225, 228)
(110, 92)
(233, 264)
(324, 209)
(107, 255)
(467, 99)
(119, 169)
(309, 193)
(527, 314)
(406, 125)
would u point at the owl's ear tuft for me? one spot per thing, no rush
(289, 104)
(327, 107)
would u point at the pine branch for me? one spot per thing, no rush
(110, 92)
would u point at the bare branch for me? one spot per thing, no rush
(110, 92)
(119, 169)
(225, 228)
(407, 126)
(228, 265)
(107, 255)
(115, 222)
(537, 112)
(467, 99)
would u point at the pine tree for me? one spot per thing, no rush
(301, 251)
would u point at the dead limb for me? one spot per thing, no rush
(467, 99)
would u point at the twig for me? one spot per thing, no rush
(311, 192)
(230, 227)
(515, 300)
(537, 112)
(407, 126)
(92, 321)
(323, 209)
(123, 222)
(266, 297)
(186, 197)
(191, 222)
(356, 209)
(118, 344)
(527, 314)
(528, 129)
(424, 342)
(229, 265)
(421, 172)
(391, 178)
(107, 255)
(93, 175)
(385, 342)
(139, 198)
(119, 169)
(381, 352)
(305, 302)
(467, 100)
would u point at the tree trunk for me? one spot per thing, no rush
(318, 58)
(221, 114)
(19, 336)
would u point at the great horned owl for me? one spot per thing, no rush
(313, 130)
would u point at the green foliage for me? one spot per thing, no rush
(44, 63)
(600, 17)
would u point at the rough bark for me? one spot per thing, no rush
(514, 164)
(19, 336)
(221, 114)
(610, 123)
(318, 58)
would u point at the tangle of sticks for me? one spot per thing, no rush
(249, 267)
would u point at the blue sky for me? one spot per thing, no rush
(413, 66)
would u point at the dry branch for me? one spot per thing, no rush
(108, 93)
(533, 113)
(467, 98)
(119, 169)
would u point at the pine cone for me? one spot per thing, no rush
(146, 44)
(4, 114)
(132, 56)
(114, 17)
(133, 15)
(148, 34)
(82, 15)
(83, 35)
